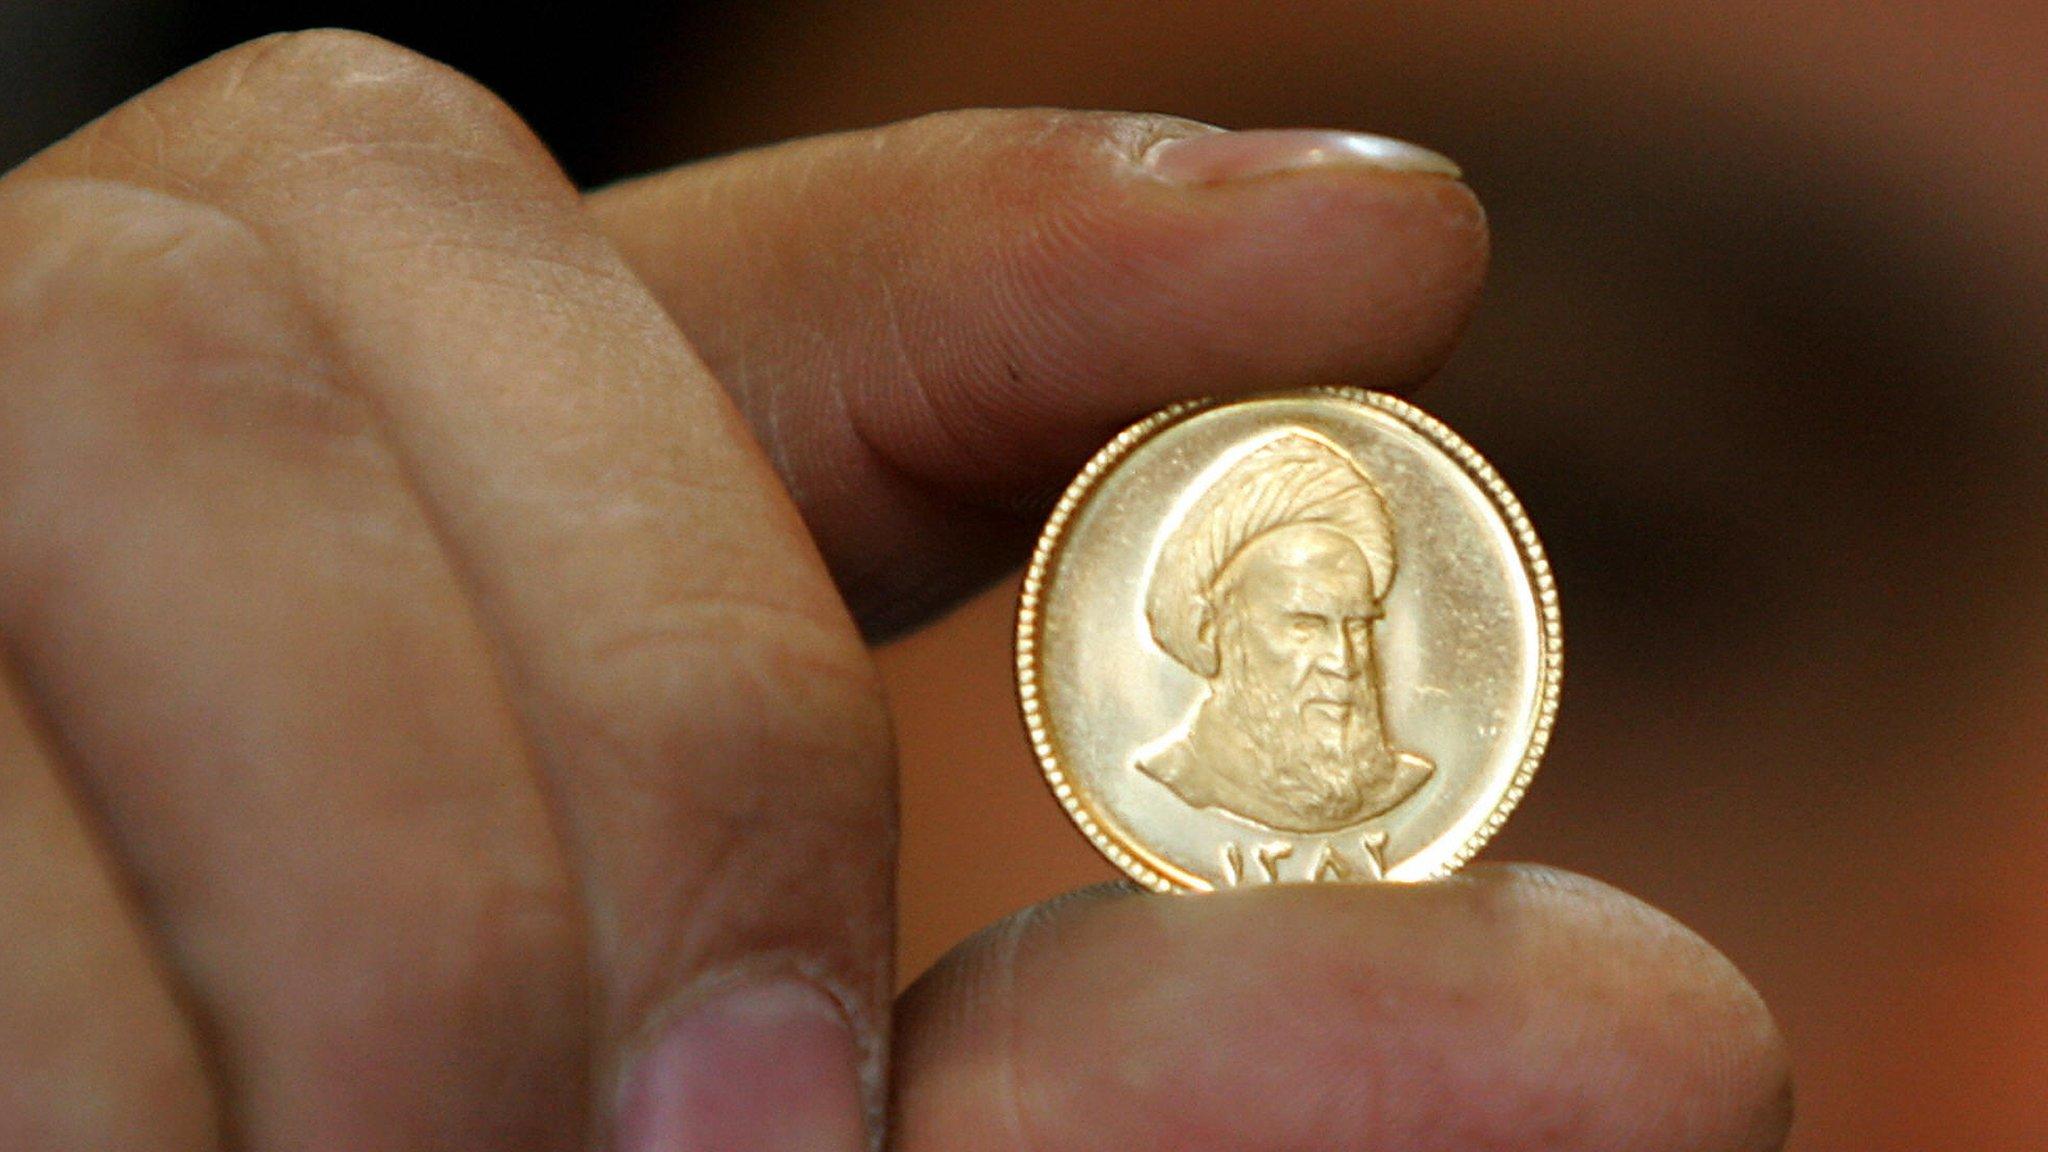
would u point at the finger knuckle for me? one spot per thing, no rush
(325, 98)
(354, 86)
(777, 712)
(748, 741)
(92, 272)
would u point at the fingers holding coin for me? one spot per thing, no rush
(459, 709)
(931, 325)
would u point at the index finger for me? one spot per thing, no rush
(931, 325)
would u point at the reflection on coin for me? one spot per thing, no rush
(1304, 637)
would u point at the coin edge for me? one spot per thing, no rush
(1535, 564)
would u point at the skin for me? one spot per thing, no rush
(1761, 352)
(426, 680)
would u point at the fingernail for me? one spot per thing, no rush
(766, 1068)
(1224, 157)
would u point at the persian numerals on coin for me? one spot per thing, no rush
(1306, 637)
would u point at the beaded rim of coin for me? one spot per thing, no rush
(1030, 618)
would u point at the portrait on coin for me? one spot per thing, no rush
(1269, 589)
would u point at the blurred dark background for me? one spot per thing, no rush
(587, 76)
(1763, 354)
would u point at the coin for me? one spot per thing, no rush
(1304, 637)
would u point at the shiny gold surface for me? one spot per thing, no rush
(1306, 637)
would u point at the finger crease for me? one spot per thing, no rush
(183, 991)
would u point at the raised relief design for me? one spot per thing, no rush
(1233, 864)
(1332, 862)
(1375, 844)
(1330, 866)
(1270, 856)
(1269, 589)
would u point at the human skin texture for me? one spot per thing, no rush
(434, 711)
(1762, 355)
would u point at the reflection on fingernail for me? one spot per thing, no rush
(1222, 157)
(768, 1068)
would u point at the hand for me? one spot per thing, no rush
(432, 721)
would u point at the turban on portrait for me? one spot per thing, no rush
(1295, 478)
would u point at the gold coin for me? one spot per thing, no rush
(1304, 637)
